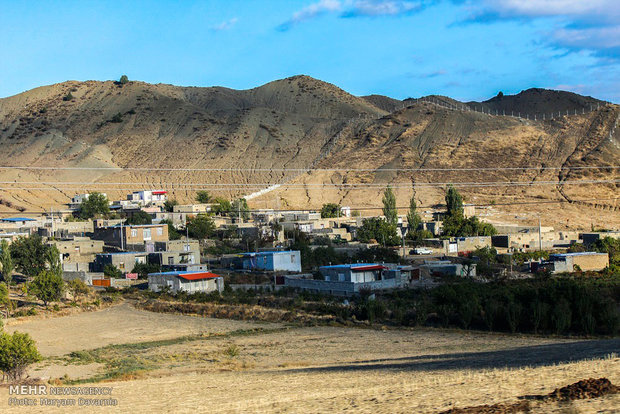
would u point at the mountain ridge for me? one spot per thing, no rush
(290, 124)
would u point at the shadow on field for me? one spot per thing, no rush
(527, 356)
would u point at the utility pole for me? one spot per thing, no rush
(122, 242)
(539, 235)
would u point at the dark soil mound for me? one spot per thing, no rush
(590, 388)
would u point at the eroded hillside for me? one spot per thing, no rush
(119, 138)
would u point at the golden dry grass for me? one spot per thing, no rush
(326, 369)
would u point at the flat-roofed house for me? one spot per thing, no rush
(186, 281)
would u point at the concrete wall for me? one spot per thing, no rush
(340, 288)
(585, 261)
(123, 261)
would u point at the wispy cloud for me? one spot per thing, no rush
(311, 11)
(225, 25)
(353, 8)
(381, 8)
(579, 25)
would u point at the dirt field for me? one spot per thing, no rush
(232, 366)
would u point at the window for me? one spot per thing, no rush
(121, 265)
(341, 277)
(292, 258)
(134, 232)
(171, 260)
(146, 234)
(160, 231)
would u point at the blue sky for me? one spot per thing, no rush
(466, 49)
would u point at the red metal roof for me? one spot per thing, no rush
(197, 275)
(364, 268)
(160, 192)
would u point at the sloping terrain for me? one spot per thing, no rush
(127, 137)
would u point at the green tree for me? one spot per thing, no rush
(413, 218)
(52, 258)
(17, 351)
(200, 227)
(169, 205)
(389, 206)
(47, 286)
(123, 80)
(610, 246)
(240, 207)
(454, 202)
(67, 97)
(222, 207)
(457, 226)
(5, 299)
(28, 254)
(378, 229)
(77, 288)
(143, 269)
(203, 197)
(6, 262)
(140, 217)
(95, 205)
(330, 210)
(173, 233)
(112, 271)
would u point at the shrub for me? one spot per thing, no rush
(77, 288)
(112, 271)
(17, 351)
(68, 97)
(561, 316)
(47, 286)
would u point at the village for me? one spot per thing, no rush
(150, 241)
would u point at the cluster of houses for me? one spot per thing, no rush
(87, 248)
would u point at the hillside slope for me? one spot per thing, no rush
(119, 138)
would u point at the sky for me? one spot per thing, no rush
(469, 50)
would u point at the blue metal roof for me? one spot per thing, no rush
(118, 253)
(573, 254)
(350, 265)
(16, 219)
(269, 253)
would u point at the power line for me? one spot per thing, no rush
(54, 186)
(516, 203)
(586, 167)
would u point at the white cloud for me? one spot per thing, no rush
(381, 7)
(584, 10)
(353, 8)
(579, 24)
(593, 37)
(225, 25)
(316, 9)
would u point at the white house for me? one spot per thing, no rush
(147, 197)
(186, 281)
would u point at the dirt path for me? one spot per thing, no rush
(119, 324)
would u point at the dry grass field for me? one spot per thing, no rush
(179, 364)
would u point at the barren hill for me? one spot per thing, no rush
(127, 137)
